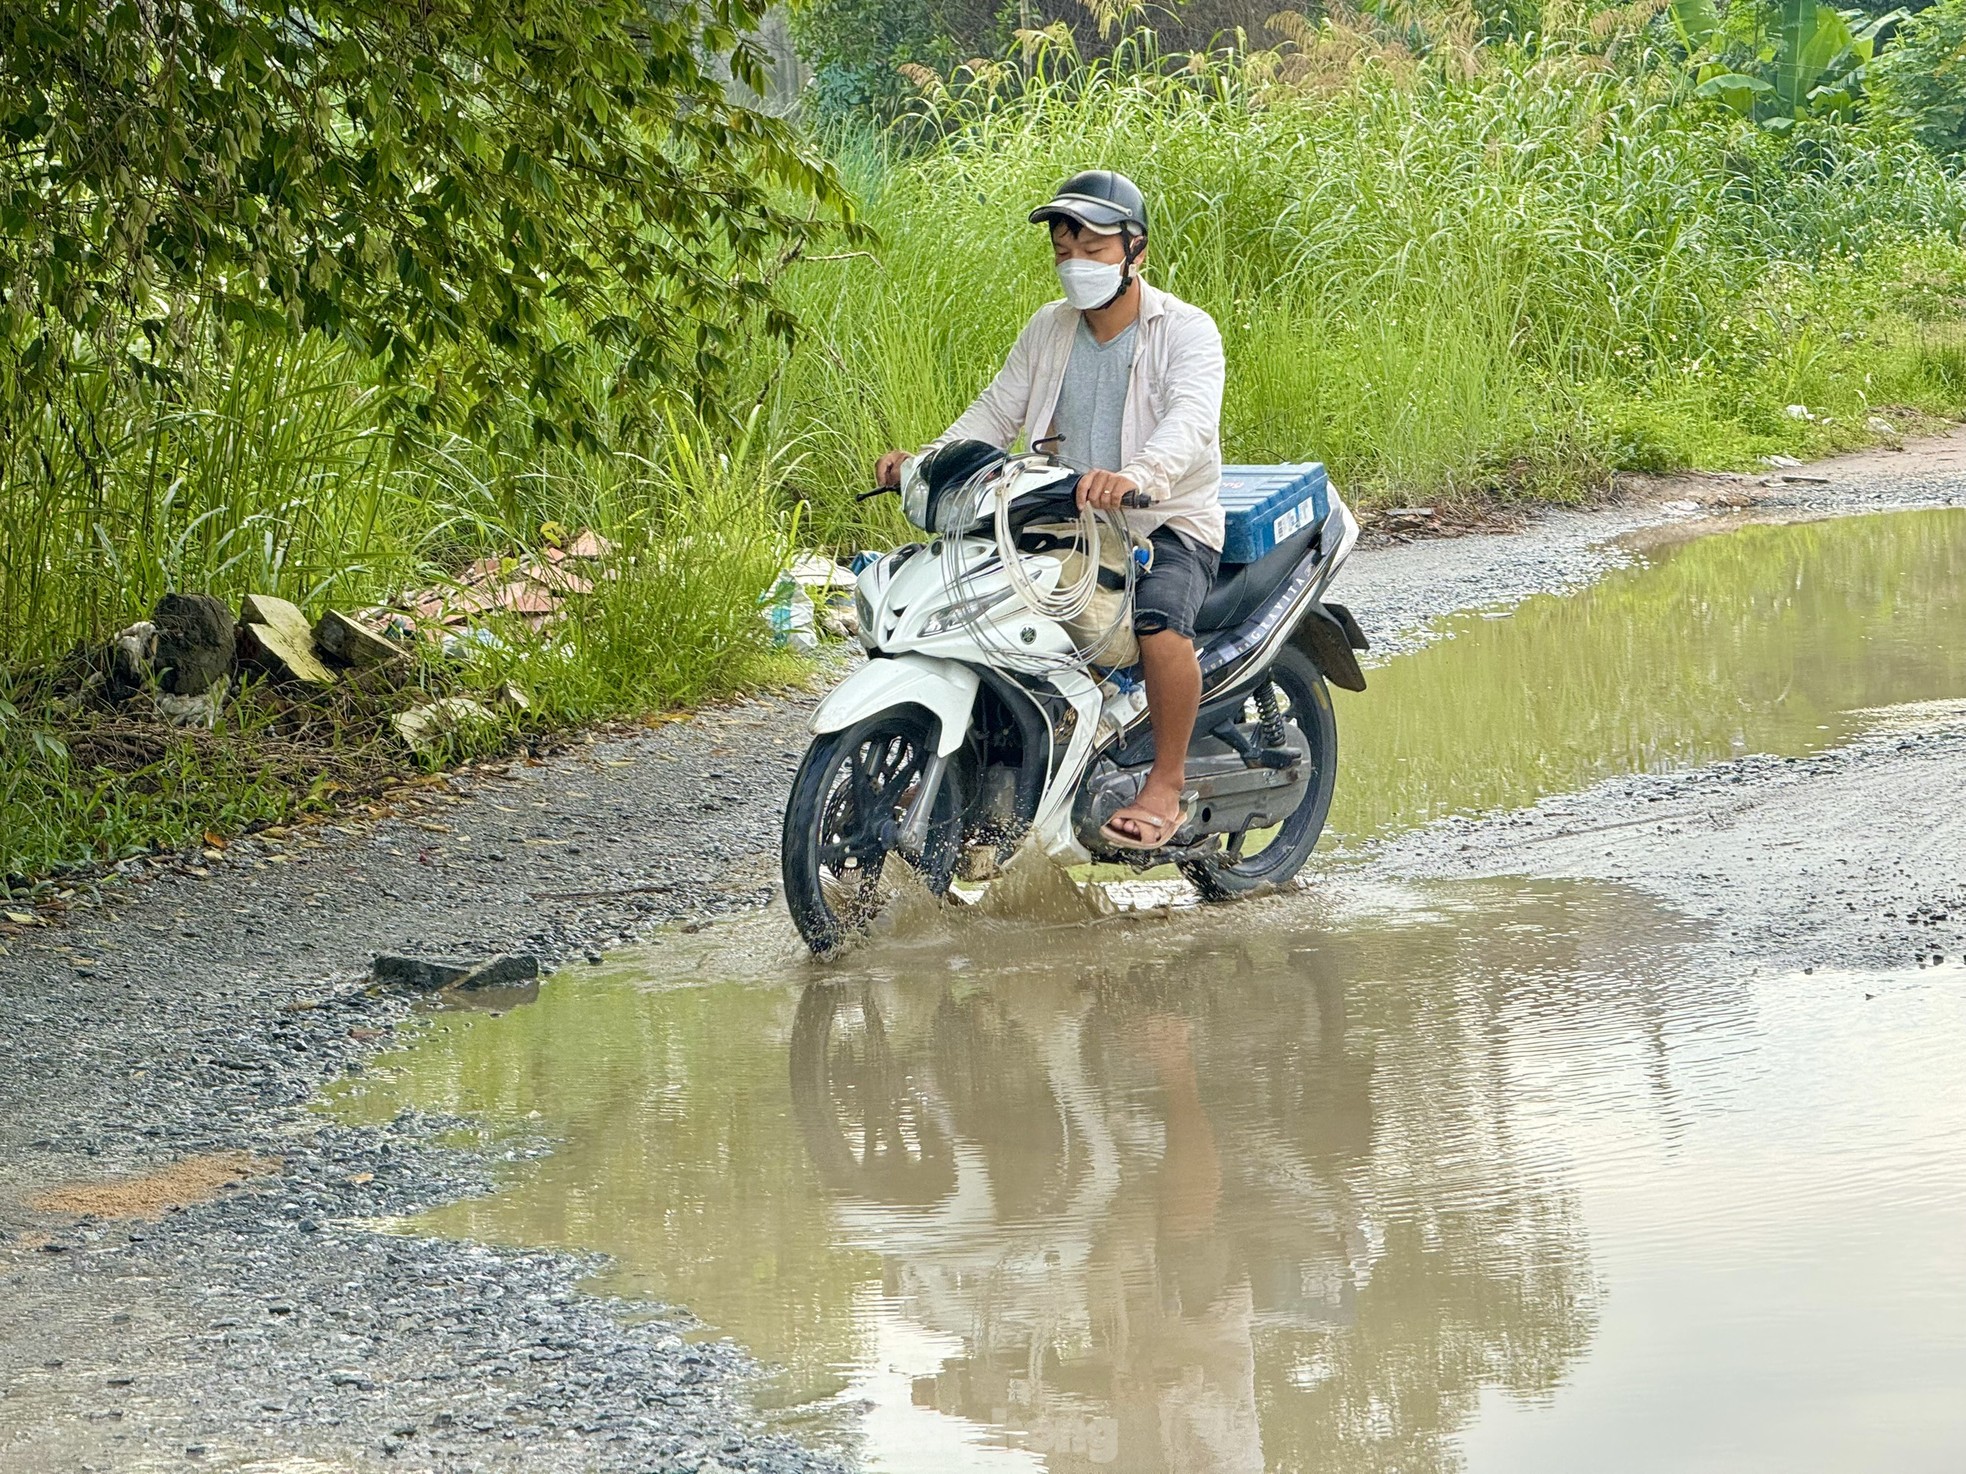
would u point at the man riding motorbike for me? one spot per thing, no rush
(1126, 380)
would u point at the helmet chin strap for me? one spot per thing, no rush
(1135, 244)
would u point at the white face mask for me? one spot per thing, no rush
(1089, 284)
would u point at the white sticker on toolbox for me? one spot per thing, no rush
(1290, 521)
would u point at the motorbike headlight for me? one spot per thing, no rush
(962, 613)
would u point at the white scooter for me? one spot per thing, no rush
(984, 720)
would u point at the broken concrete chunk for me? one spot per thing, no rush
(270, 609)
(195, 643)
(278, 651)
(278, 637)
(342, 638)
(503, 971)
(424, 973)
(428, 974)
(424, 727)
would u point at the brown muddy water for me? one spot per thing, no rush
(1496, 1176)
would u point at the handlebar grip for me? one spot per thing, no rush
(1139, 501)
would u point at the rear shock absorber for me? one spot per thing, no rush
(1270, 716)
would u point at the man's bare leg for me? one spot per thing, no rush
(1173, 697)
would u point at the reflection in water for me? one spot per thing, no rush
(1254, 1200)
(1767, 639)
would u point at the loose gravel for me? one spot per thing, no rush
(280, 1324)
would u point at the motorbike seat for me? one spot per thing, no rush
(1243, 588)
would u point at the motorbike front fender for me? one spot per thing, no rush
(946, 688)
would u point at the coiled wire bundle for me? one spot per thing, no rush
(1098, 629)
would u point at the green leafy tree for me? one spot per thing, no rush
(1922, 79)
(1783, 62)
(472, 191)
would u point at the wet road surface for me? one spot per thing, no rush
(1496, 1174)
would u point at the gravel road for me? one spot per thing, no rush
(275, 1327)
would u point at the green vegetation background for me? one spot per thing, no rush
(1450, 257)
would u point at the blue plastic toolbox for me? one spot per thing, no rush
(1263, 505)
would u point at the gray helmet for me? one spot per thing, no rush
(1101, 200)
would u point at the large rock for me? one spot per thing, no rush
(427, 974)
(195, 643)
(347, 640)
(277, 636)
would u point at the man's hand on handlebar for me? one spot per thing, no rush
(1108, 491)
(887, 470)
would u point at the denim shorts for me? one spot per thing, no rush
(1168, 595)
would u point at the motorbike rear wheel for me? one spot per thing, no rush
(847, 802)
(1231, 873)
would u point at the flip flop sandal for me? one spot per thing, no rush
(1164, 830)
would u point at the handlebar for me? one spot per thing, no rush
(1137, 500)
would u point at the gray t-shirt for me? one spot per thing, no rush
(1092, 399)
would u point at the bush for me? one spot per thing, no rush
(1922, 80)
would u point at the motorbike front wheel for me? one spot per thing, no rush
(848, 801)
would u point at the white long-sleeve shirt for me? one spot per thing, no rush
(1170, 437)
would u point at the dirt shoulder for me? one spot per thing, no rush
(194, 1017)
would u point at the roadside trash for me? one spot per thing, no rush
(790, 613)
(201, 710)
(277, 636)
(1780, 462)
(533, 586)
(820, 573)
(863, 560)
(423, 727)
(1880, 426)
(1798, 412)
(181, 658)
(130, 653)
(828, 589)
(1396, 523)
(468, 642)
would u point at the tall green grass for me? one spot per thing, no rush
(272, 474)
(1434, 283)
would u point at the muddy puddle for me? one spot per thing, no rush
(1496, 1176)
(1782, 639)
